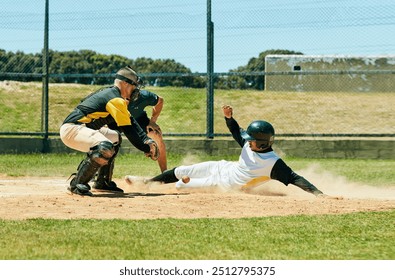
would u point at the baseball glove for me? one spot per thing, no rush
(154, 150)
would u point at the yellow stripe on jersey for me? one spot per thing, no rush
(256, 182)
(93, 116)
(118, 108)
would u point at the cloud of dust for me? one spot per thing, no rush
(337, 185)
(190, 159)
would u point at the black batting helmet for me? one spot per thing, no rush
(260, 131)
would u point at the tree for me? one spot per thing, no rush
(148, 65)
(90, 62)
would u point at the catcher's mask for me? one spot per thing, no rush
(127, 74)
(260, 131)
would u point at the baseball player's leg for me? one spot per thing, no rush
(195, 183)
(99, 151)
(104, 176)
(177, 173)
(80, 137)
(198, 170)
(113, 135)
(166, 177)
(97, 157)
(198, 175)
(162, 159)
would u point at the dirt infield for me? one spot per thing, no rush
(34, 197)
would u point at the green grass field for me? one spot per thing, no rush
(185, 109)
(359, 236)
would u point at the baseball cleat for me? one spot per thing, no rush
(80, 189)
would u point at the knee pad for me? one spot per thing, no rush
(102, 152)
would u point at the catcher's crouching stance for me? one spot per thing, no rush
(86, 129)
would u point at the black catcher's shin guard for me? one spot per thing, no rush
(104, 176)
(85, 172)
(98, 156)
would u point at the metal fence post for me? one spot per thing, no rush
(45, 81)
(210, 73)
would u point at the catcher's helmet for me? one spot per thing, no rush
(130, 76)
(260, 131)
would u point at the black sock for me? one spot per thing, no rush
(166, 177)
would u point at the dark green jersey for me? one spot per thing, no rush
(107, 107)
(101, 107)
(146, 98)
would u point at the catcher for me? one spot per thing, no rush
(136, 107)
(258, 163)
(86, 129)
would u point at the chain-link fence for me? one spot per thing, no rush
(309, 67)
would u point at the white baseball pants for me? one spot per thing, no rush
(81, 138)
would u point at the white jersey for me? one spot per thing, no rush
(251, 170)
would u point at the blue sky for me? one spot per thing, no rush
(177, 29)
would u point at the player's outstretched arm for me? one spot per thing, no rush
(232, 124)
(227, 110)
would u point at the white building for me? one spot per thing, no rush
(330, 73)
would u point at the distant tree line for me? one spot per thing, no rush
(97, 69)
